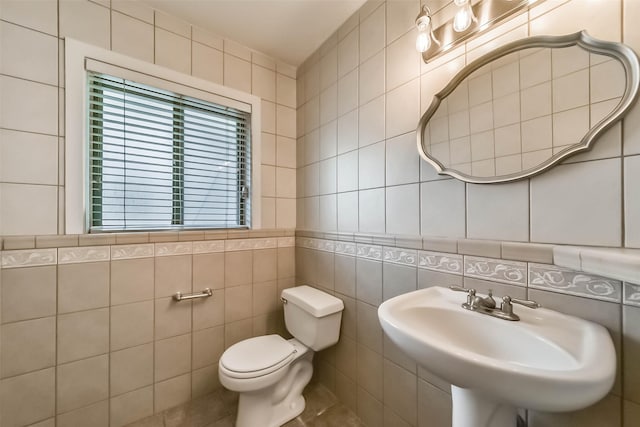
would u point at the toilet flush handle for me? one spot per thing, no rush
(284, 300)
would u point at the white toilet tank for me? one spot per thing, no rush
(312, 316)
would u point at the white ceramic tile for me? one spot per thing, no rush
(403, 209)
(263, 83)
(403, 109)
(311, 212)
(348, 53)
(536, 101)
(132, 37)
(312, 180)
(607, 81)
(328, 176)
(328, 104)
(460, 151)
(328, 213)
(601, 18)
(312, 114)
(134, 9)
(371, 166)
(347, 209)
(28, 209)
(173, 51)
(348, 92)
(506, 110)
(403, 63)
(401, 17)
(286, 90)
(371, 79)
(207, 63)
(348, 132)
(347, 170)
(480, 89)
(285, 121)
(535, 68)
(570, 126)
(19, 112)
(509, 164)
(516, 33)
(402, 163)
(237, 74)
(85, 21)
(285, 152)
(28, 54)
(328, 140)
(285, 213)
(312, 82)
(632, 201)
(312, 147)
(237, 50)
(131, 406)
(537, 134)
(506, 79)
(372, 34)
(40, 16)
(482, 146)
(481, 117)
(285, 182)
(459, 124)
(585, 201)
(443, 208)
(371, 122)
(268, 118)
(81, 383)
(172, 23)
(329, 68)
(571, 91)
(25, 399)
(268, 148)
(507, 140)
(499, 212)
(372, 210)
(268, 181)
(27, 158)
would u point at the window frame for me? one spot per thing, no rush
(78, 58)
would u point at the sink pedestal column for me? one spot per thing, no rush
(473, 409)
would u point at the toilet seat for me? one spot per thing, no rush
(256, 357)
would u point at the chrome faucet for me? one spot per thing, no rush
(487, 305)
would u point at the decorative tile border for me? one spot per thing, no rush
(558, 279)
(437, 261)
(496, 270)
(631, 294)
(325, 245)
(250, 244)
(345, 248)
(208, 246)
(83, 254)
(286, 242)
(169, 249)
(132, 251)
(369, 251)
(29, 258)
(400, 256)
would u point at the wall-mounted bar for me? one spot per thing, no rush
(205, 293)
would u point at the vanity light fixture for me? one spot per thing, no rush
(472, 17)
(425, 30)
(464, 17)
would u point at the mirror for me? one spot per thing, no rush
(519, 110)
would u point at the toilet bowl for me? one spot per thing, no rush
(271, 372)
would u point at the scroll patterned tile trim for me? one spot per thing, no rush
(132, 251)
(169, 249)
(496, 270)
(83, 254)
(250, 244)
(208, 246)
(286, 242)
(29, 258)
(345, 248)
(369, 251)
(440, 261)
(631, 294)
(400, 256)
(572, 282)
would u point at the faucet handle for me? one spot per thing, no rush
(471, 293)
(527, 303)
(458, 288)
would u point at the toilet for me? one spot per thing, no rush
(269, 371)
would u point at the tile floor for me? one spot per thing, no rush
(218, 409)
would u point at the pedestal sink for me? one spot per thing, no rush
(547, 361)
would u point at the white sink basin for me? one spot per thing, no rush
(547, 361)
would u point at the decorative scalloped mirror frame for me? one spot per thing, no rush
(624, 54)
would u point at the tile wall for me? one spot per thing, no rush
(90, 334)
(32, 33)
(363, 192)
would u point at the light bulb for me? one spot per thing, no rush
(423, 42)
(462, 20)
(460, 2)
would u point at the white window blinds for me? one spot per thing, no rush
(160, 160)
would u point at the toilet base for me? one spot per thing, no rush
(282, 402)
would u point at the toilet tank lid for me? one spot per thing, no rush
(313, 301)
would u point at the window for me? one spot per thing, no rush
(160, 160)
(150, 148)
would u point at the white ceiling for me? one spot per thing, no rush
(288, 30)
